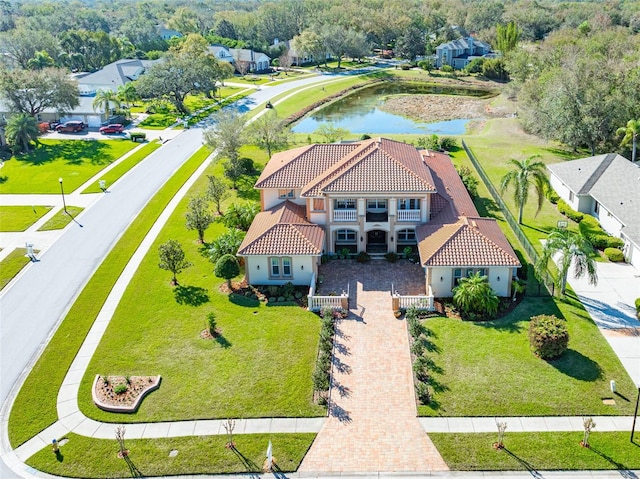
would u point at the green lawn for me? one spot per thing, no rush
(261, 367)
(35, 405)
(75, 161)
(12, 264)
(61, 219)
(487, 369)
(538, 451)
(123, 167)
(97, 458)
(19, 218)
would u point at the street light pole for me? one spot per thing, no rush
(64, 204)
(635, 414)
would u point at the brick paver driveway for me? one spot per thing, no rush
(372, 424)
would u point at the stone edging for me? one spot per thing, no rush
(127, 409)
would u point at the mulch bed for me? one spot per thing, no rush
(105, 392)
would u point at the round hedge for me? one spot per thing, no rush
(548, 336)
(614, 255)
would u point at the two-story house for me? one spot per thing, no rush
(458, 53)
(377, 196)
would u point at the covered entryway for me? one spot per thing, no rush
(377, 242)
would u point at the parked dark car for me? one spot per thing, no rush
(70, 127)
(115, 128)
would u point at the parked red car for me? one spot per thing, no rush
(114, 128)
(70, 127)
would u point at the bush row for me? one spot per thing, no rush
(599, 238)
(422, 363)
(321, 374)
(569, 212)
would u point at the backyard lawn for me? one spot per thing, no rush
(260, 366)
(487, 368)
(97, 458)
(75, 161)
(19, 218)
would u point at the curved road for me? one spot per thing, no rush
(33, 306)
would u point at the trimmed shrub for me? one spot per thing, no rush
(421, 368)
(391, 257)
(417, 348)
(363, 257)
(569, 212)
(415, 327)
(552, 196)
(120, 388)
(614, 255)
(548, 336)
(423, 393)
(448, 143)
(599, 238)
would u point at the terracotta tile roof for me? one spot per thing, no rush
(295, 168)
(457, 201)
(470, 241)
(283, 230)
(379, 165)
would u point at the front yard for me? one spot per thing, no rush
(75, 161)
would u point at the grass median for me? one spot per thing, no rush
(12, 264)
(538, 451)
(97, 458)
(35, 406)
(61, 218)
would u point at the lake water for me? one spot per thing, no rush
(360, 112)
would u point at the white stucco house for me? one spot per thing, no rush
(377, 196)
(607, 187)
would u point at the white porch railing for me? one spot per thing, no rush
(408, 215)
(345, 215)
(317, 303)
(422, 301)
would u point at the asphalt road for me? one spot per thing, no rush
(31, 309)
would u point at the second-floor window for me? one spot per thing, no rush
(409, 204)
(286, 194)
(346, 204)
(376, 204)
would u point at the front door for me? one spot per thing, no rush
(377, 241)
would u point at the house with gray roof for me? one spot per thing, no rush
(221, 53)
(607, 187)
(113, 76)
(458, 53)
(255, 61)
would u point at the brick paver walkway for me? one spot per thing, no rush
(372, 425)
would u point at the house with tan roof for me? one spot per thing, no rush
(377, 196)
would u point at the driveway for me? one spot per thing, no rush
(611, 305)
(372, 423)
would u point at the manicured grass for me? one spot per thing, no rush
(123, 167)
(12, 264)
(19, 218)
(61, 219)
(35, 405)
(75, 161)
(261, 365)
(97, 458)
(538, 451)
(487, 368)
(158, 121)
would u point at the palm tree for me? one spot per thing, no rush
(630, 132)
(525, 173)
(21, 130)
(474, 295)
(104, 99)
(570, 247)
(128, 94)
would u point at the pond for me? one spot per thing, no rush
(360, 112)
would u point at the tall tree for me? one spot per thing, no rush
(104, 99)
(172, 258)
(128, 94)
(227, 135)
(411, 44)
(570, 247)
(630, 132)
(269, 132)
(507, 37)
(21, 130)
(311, 45)
(32, 92)
(21, 44)
(198, 216)
(227, 267)
(525, 173)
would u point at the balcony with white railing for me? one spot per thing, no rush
(408, 215)
(345, 215)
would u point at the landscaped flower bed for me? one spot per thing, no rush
(122, 393)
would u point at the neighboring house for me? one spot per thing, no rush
(168, 33)
(83, 112)
(458, 53)
(256, 61)
(377, 196)
(295, 57)
(221, 53)
(607, 187)
(112, 76)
